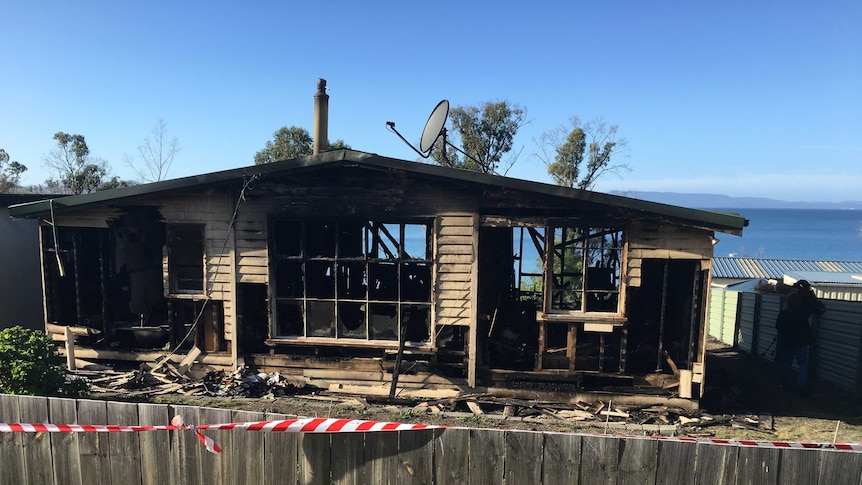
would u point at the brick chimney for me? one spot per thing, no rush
(321, 118)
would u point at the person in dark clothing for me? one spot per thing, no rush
(795, 335)
(810, 304)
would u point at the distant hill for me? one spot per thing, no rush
(716, 201)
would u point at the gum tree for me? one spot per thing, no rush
(486, 134)
(10, 172)
(578, 156)
(288, 143)
(77, 171)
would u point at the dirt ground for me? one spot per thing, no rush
(737, 385)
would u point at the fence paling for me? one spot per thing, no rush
(429, 456)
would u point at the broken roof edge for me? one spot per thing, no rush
(709, 220)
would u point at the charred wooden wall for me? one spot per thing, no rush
(213, 210)
(665, 241)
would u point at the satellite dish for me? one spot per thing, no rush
(434, 129)
(434, 126)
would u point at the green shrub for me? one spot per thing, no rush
(29, 364)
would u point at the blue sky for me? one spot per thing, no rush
(736, 98)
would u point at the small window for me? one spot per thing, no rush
(186, 258)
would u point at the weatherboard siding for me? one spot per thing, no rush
(211, 210)
(252, 238)
(663, 241)
(455, 261)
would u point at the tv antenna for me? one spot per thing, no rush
(434, 129)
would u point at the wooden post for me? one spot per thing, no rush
(397, 368)
(70, 348)
(473, 356)
(685, 383)
(660, 345)
(572, 345)
(695, 322)
(541, 353)
(79, 318)
(624, 342)
(103, 280)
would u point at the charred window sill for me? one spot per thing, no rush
(347, 342)
(581, 318)
(187, 296)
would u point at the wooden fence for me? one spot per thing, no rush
(438, 456)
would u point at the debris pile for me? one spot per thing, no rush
(247, 383)
(166, 378)
(628, 418)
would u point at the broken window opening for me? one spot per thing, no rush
(529, 258)
(348, 279)
(320, 239)
(663, 315)
(585, 269)
(321, 319)
(416, 242)
(252, 317)
(139, 236)
(186, 258)
(290, 318)
(209, 331)
(510, 291)
(78, 297)
(385, 243)
(351, 320)
(383, 321)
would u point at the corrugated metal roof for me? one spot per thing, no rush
(826, 278)
(747, 268)
(709, 220)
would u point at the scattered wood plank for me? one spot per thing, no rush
(169, 389)
(475, 408)
(684, 420)
(614, 414)
(189, 360)
(713, 422)
(671, 363)
(378, 390)
(575, 415)
(75, 330)
(70, 349)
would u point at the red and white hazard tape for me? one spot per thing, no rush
(304, 425)
(765, 444)
(326, 425)
(319, 425)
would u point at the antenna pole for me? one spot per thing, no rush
(462, 152)
(443, 147)
(391, 126)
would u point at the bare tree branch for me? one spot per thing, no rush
(157, 154)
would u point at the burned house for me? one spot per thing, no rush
(333, 266)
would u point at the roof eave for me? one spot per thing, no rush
(707, 220)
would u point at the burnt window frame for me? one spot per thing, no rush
(345, 280)
(588, 294)
(171, 230)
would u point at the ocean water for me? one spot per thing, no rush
(796, 234)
